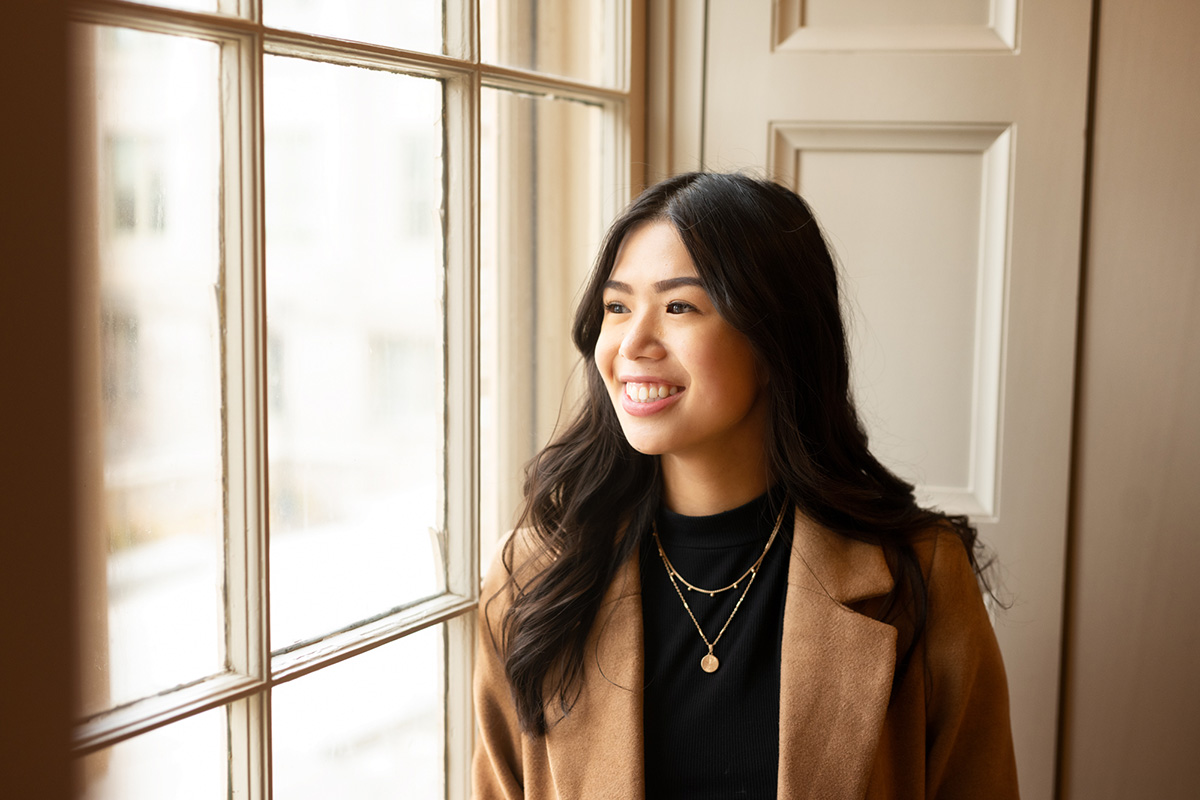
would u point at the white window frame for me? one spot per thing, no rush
(254, 672)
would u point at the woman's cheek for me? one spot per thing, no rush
(603, 354)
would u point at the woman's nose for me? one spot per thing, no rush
(642, 339)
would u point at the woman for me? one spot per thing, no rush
(715, 589)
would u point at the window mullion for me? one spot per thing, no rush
(157, 19)
(457, 670)
(461, 530)
(521, 80)
(461, 97)
(462, 332)
(148, 714)
(242, 323)
(249, 747)
(461, 29)
(244, 345)
(616, 177)
(250, 10)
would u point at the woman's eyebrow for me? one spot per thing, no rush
(659, 286)
(674, 283)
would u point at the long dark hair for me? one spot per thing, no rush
(590, 497)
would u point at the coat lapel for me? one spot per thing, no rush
(836, 671)
(596, 750)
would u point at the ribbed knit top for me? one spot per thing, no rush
(714, 735)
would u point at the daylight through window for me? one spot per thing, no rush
(331, 249)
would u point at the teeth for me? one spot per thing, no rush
(648, 392)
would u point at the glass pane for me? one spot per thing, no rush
(369, 727)
(355, 342)
(575, 40)
(186, 760)
(410, 25)
(151, 568)
(541, 199)
(186, 5)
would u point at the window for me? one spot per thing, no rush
(333, 251)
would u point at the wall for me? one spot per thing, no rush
(1131, 722)
(36, 486)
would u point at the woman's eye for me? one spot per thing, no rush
(679, 307)
(613, 307)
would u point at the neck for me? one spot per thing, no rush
(698, 488)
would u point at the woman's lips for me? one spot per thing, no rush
(657, 396)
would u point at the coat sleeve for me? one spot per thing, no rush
(496, 770)
(969, 747)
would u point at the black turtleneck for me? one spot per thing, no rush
(714, 735)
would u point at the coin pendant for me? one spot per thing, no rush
(709, 663)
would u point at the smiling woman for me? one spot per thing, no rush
(641, 635)
(685, 384)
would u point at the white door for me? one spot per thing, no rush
(941, 144)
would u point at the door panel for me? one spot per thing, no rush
(918, 25)
(920, 215)
(942, 148)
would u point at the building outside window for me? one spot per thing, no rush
(332, 248)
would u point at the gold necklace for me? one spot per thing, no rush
(710, 662)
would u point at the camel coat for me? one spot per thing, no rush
(944, 734)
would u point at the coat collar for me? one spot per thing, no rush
(843, 569)
(835, 679)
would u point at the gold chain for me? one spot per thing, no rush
(710, 592)
(710, 662)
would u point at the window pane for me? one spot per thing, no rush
(369, 727)
(540, 224)
(187, 760)
(355, 343)
(575, 40)
(186, 5)
(410, 25)
(151, 577)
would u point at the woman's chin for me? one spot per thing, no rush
(645, 443)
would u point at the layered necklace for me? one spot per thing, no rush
(710, 662)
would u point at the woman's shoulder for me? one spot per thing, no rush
(969, 739)
(946, 563)
(959, 626)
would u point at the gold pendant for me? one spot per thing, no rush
(709, 663)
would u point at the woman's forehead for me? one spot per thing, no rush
(650, 254)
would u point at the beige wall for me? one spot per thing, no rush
(1132, 691)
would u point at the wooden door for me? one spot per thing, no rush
(941, 143)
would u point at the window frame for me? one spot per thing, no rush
(253, 671)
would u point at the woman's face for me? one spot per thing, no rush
(683, 381)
